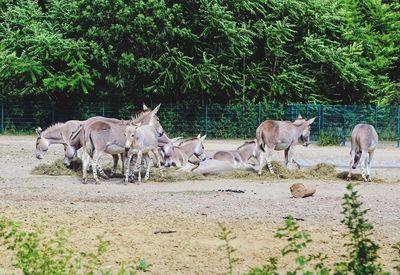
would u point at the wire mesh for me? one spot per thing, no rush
(215, 120)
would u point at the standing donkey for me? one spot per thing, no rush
(101, 136)
(58, 133)
(364, 140)
(281, 135)
(141, 140)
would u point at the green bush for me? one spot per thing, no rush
(329, 138)
(34, 255)
(362, 257)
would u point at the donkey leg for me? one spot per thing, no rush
(363, 160)
(85, 164)
(290, 158)
(262, 162)
(371, 154)
(94, 171)
(269, 161)
(122, 162)
(98, 165)
(115, 163)
(127, 165)
(139, 165)
(158, 161)
(352, 156)
(286, 157)
(148, 164)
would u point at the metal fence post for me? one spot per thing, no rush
(320, 110)
(376, 116)
(344, 126)
(103, 109)
(398, 126)
(206, 119)
(259, 114)
(2, 117)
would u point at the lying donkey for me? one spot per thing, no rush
(364, 140)
(180, 155)
(240, 157)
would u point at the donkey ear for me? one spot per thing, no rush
(198, 136)
(311, 121)
(156, 109)
(299, 116)
(39, 131)
(203, 137)
(145, 107)
(175, 139)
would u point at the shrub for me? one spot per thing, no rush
(329, 138)
(33, 255)
(362, 250)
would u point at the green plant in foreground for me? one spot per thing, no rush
(362, 251)
(33, 255)
(362, 257)
(297, 241)
(397, 248)
(143, 265)
(227, 236)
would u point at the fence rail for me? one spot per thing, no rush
(216, 120)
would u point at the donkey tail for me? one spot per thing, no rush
(260, 143)
(89, 145)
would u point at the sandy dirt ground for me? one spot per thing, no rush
(129, 215)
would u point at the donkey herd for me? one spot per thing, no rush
(142, 143)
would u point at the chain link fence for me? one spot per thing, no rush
(215, 120)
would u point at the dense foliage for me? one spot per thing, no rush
(331, 51)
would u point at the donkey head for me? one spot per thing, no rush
(255, 152)
(199, 147)
(168, 149)
(305, 134)
(130, 132)
(70, 151)
(42, 144)
(150, 119)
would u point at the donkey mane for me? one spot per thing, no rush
(140, 114)
(187, 140)
(245, 144)
(54, 126)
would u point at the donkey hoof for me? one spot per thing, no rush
(84, 181)
(97, 182)
(348, 178)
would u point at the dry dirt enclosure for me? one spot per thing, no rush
(129, 215)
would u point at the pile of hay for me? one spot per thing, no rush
(57, 168)
(319, 171)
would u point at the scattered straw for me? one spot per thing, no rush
(57, 168)
(319, 171)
